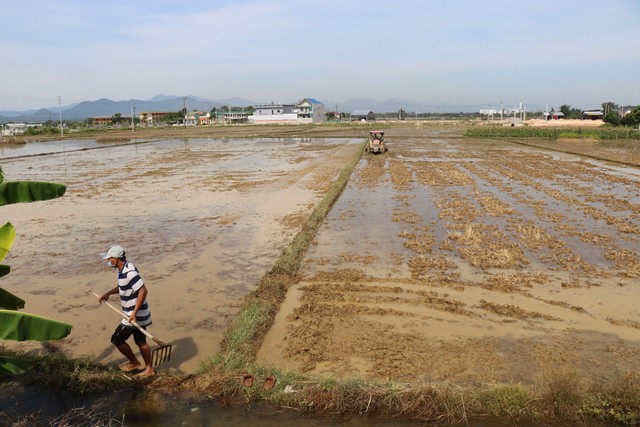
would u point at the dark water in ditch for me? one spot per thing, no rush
(140, 409)
(153, 409)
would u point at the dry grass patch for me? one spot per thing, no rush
(508, 310)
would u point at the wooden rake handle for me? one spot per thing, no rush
(134, 323)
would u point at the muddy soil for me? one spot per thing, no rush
(202, 218)
(468, 261)
(445, 259)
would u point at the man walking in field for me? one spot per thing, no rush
(133, 299)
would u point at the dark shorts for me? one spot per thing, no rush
(123, 332)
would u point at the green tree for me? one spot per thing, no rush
(566, 110)
(570, 113)
(170, 118)
(632, 118)
(608, 107)
(610, 111)
(16, 325)
(117, 118)
(612, 117)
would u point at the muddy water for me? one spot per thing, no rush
(470, 261)
(8, 151)
(202, 219)
(157, 409)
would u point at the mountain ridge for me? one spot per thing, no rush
(161, 102)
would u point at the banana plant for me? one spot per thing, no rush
(14, 324)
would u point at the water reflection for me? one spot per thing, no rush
(45, 147)
(137, 408)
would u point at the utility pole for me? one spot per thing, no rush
(184, 103)
(546, 112)
(133, 111)
(60, 112)
(501, 110)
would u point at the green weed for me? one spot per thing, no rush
(608, 133)
(617, 402)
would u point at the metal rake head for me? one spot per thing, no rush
(161, 355)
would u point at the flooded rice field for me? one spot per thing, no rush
(466, 261)
(202, 219)
(445, 259)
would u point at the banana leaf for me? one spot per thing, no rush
(29, 191)
(19, 326)
(14, 365)
(8, 301)
(4, 270)
(7, 236)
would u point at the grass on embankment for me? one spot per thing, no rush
(563, 397)
(609, 133)
(74, 375)
(241, 341)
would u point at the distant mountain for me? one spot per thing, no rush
(14, 113)
(237, 102)
(107, 107)
(393, 104)
(44, 114)
(29, 116)
(161, 97)
(355, 104)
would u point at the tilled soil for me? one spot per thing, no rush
(201, 218)
(457, 260)
(445, 259)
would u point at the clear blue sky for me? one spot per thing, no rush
(472, 52)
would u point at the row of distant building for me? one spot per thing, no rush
(309, 110)
(551, 115)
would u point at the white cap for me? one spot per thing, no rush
(115, 251)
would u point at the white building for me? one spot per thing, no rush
(274, 113)
(306, 111)
(197, 118)
(11, 129)
(311, 111)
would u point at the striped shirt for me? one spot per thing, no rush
(129, 283)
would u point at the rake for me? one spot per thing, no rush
(159, 355)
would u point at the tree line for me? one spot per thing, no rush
(613, 114)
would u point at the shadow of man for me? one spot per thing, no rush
(182, 351)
